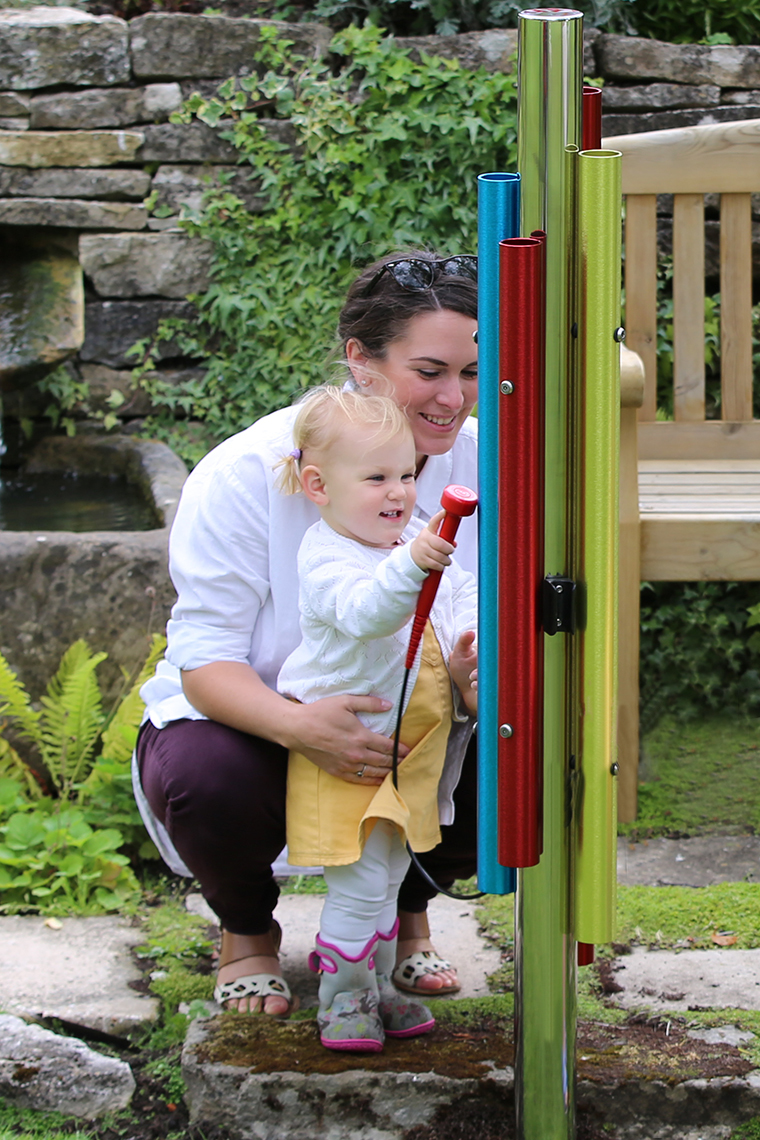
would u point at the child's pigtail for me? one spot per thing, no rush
(289, 481)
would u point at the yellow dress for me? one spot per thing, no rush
(329, 819)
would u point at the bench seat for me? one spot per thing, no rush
(700, 519)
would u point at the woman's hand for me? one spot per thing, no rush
(463, 666)
(331, 735)
(429, 550)
(328, 732)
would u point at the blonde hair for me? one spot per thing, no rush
(324, 414)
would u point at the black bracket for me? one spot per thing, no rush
(559, 596)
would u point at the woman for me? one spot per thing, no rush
(212, 755)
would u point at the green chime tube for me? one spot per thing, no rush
(599, 254)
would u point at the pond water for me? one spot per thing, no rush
(67, 501)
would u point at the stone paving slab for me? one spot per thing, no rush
(453, 927)
(80, 973)
(701, 979)
(698, 862)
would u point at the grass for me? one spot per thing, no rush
(24, 1124)
(685, 918)
(699, 777)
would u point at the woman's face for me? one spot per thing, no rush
(432, 371)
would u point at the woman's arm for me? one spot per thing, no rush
(328, 731)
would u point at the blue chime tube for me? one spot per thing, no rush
(498, 218)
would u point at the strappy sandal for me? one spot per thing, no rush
(255, 985)
(258, 985)
(409, 971)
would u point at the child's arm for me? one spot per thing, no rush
(361, 599)
(463, 666)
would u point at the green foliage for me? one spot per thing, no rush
(67, 813)
(387, 152)
(66, 732)
(750, 1130)
(445, 17)
(70, 394)
(665, 351)
(696, 653)
(698, 21)
(167, 1070)
(52, 860)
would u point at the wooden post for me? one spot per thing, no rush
(631, 395)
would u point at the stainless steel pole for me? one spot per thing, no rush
(549, 134)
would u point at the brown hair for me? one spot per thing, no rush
(382, 317)
(324, 414)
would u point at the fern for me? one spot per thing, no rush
(13, 767)
(120, 733)
(72, 716)
(14, 702)
(71, 729)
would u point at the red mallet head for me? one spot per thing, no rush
(459, 500)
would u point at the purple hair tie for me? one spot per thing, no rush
(296, 453)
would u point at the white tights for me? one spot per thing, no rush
(361, 896)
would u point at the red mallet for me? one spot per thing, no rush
(458, 502)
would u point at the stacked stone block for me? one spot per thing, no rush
(86, 142)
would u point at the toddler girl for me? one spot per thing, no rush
(360, 571)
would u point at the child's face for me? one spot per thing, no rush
(368, 486)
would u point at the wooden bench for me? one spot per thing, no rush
(690, 487)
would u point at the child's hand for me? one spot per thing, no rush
(463, 666)
(429, 550)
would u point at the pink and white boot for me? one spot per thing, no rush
(401, 1015)
(349, 1015)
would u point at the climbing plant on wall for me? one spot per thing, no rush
(382, 152)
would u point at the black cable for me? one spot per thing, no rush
(415, 860)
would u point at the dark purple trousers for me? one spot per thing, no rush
(220, 794)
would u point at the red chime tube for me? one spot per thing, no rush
(592, 118)
(585, 953)
(522, 269)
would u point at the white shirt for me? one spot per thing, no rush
(357, 604)
(232, 556)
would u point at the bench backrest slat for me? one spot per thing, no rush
(641, 291)
(736, 306)
(688, 307)
(688, 163)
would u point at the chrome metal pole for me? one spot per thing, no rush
(549, 134)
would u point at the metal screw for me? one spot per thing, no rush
(619, 334)
(506, 387)
(614, 769)
(505, 730)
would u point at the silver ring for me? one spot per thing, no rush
(361, 771)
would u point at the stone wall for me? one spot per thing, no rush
(85, 140)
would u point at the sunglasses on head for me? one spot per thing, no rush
(416, 274)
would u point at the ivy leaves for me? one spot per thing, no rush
(382, 152)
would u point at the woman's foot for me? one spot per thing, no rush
(254, 956)
(430, 975)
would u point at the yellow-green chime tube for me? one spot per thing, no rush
(598, 276)
(549, 121)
